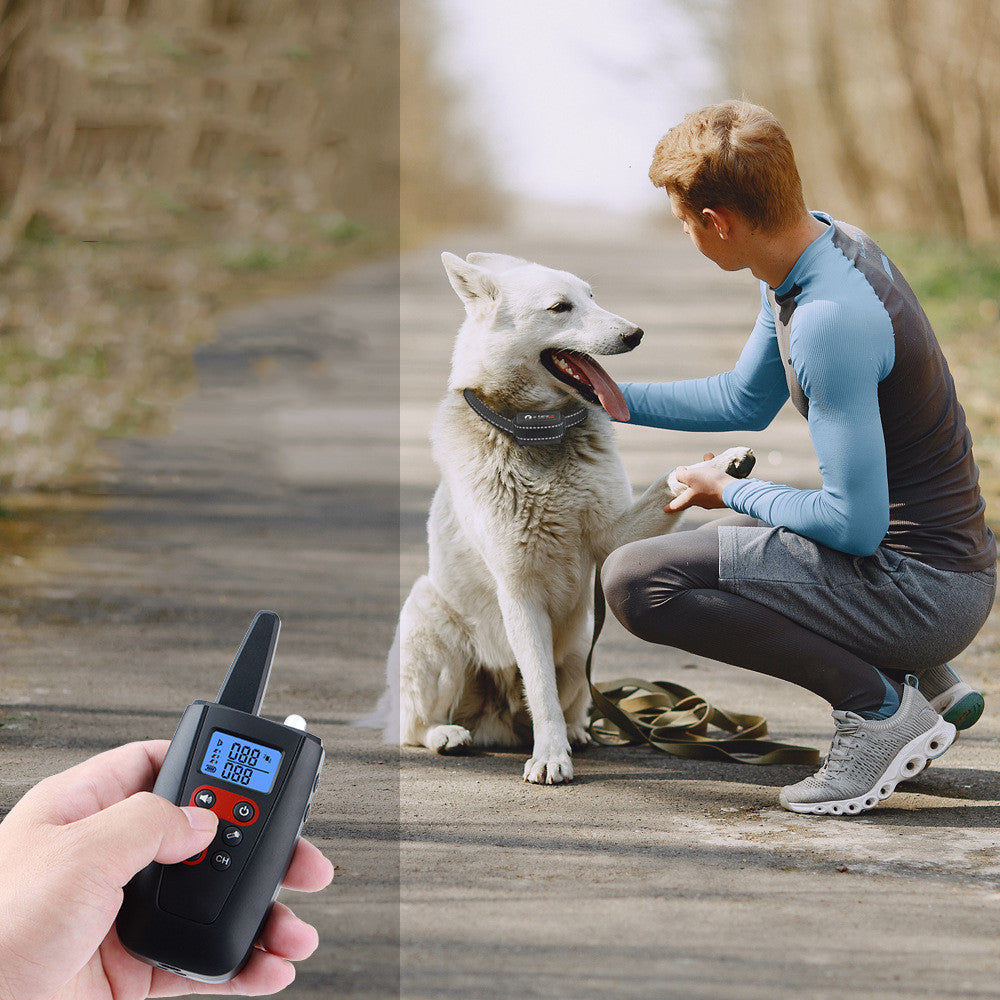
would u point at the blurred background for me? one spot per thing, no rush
(162, 160)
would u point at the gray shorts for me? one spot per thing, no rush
(889, 609)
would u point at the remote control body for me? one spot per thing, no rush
(201, 918)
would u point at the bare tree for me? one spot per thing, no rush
(892, 105)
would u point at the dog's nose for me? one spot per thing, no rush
(632, 339)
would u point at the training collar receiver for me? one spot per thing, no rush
(529, 427)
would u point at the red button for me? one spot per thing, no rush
(228, 806)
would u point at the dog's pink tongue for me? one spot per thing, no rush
(607, 390)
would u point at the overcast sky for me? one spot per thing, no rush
(571, 95)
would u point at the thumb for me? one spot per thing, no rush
(122, 839)
(680, 502)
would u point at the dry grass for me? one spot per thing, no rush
(159, 161)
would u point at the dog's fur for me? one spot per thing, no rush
(492, 643)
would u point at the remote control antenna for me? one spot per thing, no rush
(246, 682)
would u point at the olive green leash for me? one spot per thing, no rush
(673, 719)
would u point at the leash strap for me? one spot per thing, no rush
(529, 427)
(673, 719)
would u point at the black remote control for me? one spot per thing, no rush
(201, 918)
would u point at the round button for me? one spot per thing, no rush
(205, 798)
(244, 811)
(221, 861)
(232, 835)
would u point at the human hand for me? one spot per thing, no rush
(702, 486)
(67, 849)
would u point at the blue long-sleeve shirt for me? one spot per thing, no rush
(844, 336)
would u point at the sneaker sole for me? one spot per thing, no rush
(910, 761)
(966, 712)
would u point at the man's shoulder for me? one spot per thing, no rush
(842, 282)
(835, 305)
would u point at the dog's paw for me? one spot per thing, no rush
(735, 462)
(579, 735)
(549, 769)
(448, 739)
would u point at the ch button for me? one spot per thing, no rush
(221, 861)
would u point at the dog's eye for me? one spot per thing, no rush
(561, 307)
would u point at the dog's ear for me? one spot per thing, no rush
(496, 262)
(473, 284)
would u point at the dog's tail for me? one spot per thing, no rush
(385, 715)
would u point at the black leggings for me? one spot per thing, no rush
(666, 590)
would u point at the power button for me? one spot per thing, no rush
(244, 811)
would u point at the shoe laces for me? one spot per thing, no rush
(846, 740)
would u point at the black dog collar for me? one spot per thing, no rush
(529, 427)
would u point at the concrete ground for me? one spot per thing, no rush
(297, 477)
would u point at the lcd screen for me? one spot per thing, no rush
(241, 761)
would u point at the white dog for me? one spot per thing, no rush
(492, 643)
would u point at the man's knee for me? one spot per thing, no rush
(618, 577)
(627, 588)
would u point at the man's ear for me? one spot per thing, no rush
(473, 284)
(721, 219)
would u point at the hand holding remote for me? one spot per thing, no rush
(202, 915)
(67, 849)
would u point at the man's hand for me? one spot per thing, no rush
(703, 486)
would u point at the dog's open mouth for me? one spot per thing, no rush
(583, 374)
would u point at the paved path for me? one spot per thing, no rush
(285, 483)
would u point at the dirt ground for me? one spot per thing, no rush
(297, 478)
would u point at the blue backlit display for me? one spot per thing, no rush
(241, 761)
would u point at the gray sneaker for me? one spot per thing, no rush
(868, 758)
(961, 705)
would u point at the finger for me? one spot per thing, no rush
(680, 473)
(122, 839)
(263, 975)
(679, 503)
(287, 936)
(97, 783)
(708, 456)
(310, 870)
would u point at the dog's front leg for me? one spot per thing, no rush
(645, 518)
(648, 515)
(529, 632)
